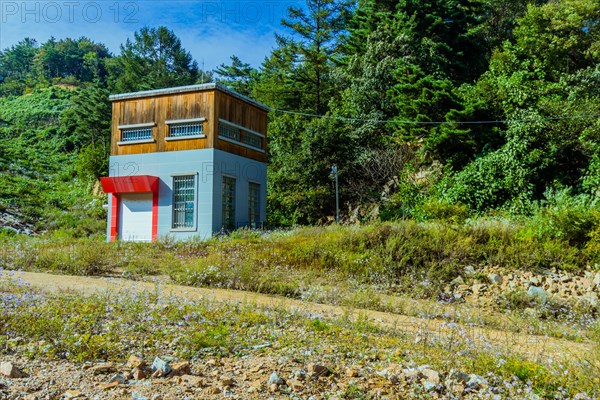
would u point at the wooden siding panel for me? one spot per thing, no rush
(209, 104)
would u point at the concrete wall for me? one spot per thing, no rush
(209, 165)
(243, 170)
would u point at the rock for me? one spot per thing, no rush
(315, 370)
(102, 369)
(137, 396)
(495, 279)
(117, 378)
(73, 394)
(139, 374)
(430, 375)
(135, 362)
(535, 281)
(213, 363)
(428, 386)
(457, 389)
(192, 380)
(160, 367)
(274, 387)
(9, 370)
(300, 374)
(596, 281)
(296, 386)
(537, 293)
(590, 298)
(458, 376)
(110, 385)
(565, 279)
(227, 381)
(469, 270)
(476, 382)
(457, 281)
(353, 372)
(180, 368)
(214, 390)
(275, 379)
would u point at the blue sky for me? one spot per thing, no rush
(211, 31)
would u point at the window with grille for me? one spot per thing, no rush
(252, 140)
(228, 201)
(244, 137)
(184, 190)
(131, 134)
(180, 130)
(229, 132)
(254, 204)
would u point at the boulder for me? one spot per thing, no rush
(537, 293)
(135, 362)
(275, 379)
(495, 279)
(9, 370)
(430, 375)
(315, 370)
(160, 367)
(180, 368)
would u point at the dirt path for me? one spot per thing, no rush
(535, 347)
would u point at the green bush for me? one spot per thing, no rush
(565, 217)
(443, 211)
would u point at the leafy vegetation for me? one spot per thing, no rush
(481, 106)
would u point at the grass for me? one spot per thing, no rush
(400, 267)
(112, 325)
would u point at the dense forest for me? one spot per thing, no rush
(430, 109)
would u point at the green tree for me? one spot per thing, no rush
(16, 66)
(549, 72)
(154, 59)
(16, 61)
(86, 124)
(313, 46)
(79, 59)
(238, 75)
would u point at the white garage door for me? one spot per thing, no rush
(135, 217)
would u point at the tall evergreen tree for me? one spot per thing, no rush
(238, 75)
(313, 45)
(154, 59)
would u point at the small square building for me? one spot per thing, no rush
(185, 162)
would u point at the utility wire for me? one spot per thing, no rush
(394, 121)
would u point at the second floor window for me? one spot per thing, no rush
(229, 132)
(179, 130)
(132, 134)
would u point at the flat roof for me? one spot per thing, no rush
(186, 89)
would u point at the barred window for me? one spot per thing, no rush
(228, 200)
(253, 204)
(131, 134)
(252, 140)
(229, 132)
(179, 130)
(183, 201)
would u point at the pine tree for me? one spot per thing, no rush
(154, 59)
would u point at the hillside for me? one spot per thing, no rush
(39, 189)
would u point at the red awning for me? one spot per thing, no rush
(130, 184)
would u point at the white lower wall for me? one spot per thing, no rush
(209, 165)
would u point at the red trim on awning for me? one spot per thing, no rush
(130, 184)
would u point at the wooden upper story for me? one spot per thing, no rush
(188, 118)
